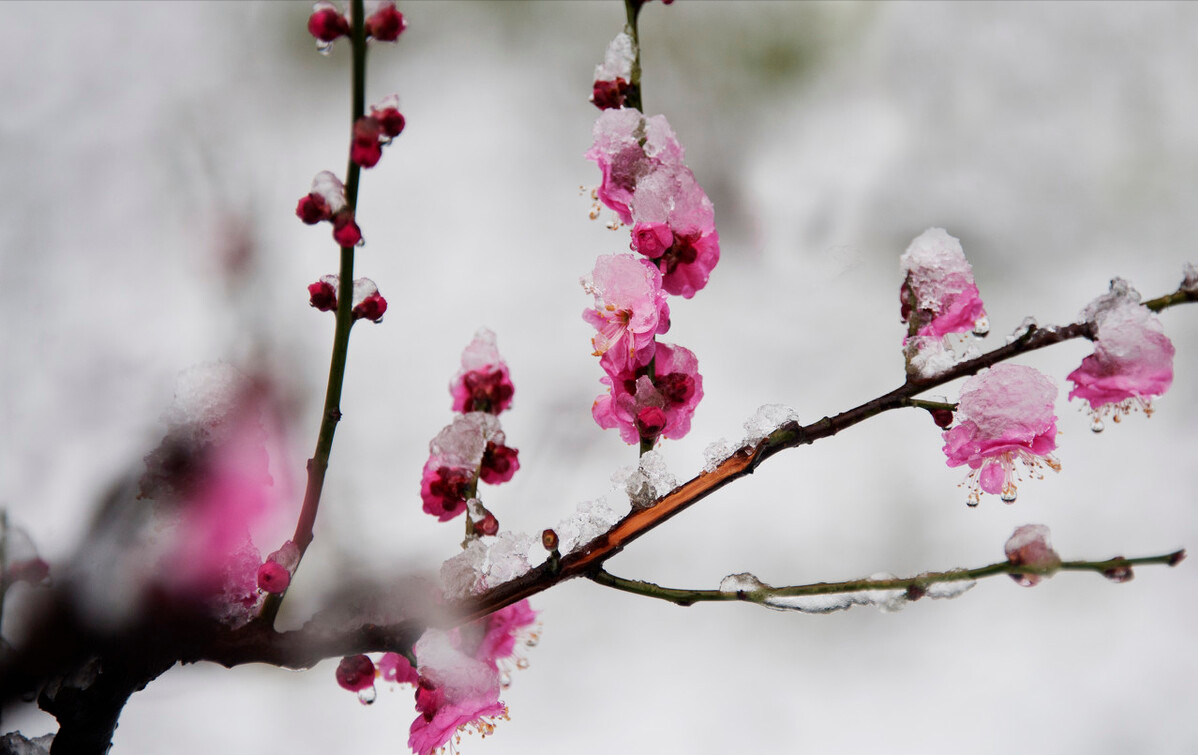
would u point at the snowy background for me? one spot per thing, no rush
(150, 149)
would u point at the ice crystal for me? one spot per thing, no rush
(766, 420)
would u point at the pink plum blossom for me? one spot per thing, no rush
(499, 463)
(647, 183)
(502, 629)
(612, 76)
(1029, 546)
(938, 294)
(630, 311)
(628, 147)
(484, 383)
(451, 473)
(395, 668)
(1132, 360)
(1005, 414)
(454, 692)
(641, 407)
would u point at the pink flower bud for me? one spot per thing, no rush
(394, 667)
(345, 231)
(273, 577)
(355, 672)
(445, 489)
(312, 209)
(391, 121)
(650, 421)
(652, 239)
(1029, 546)
(488, 525)
(365, 149)
(323, 293)
(326, 23)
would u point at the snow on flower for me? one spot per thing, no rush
(612, 77)
(1132, 360)
(645, 408)
(451, 473)
(502, 630)
(368, 303)
(937, 297)
(455, 692)
(647, 183)
(1029, 546)
(386, 23)
(1005, 414)
(484, 383)
(630, 310)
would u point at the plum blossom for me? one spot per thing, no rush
(630, 310)
(454, 692)
(938, 297)
(451, 473)
(1029, 546)
(645, 408)
(1132, 360)
(484, 382)
(1005, 414)
(649, 186)
(327, 24)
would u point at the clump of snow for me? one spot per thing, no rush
(649, 480)
(766, 420)
(590, 520)
(1189, 281)
(716, 453)
(462, 443)
(617, 63)
(742, 582)
(487, 563)
(462, 575)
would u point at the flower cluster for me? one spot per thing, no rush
(652, 387)
(1132, 360)
(328, 24)
(1005, 414)
(373, 132)
(368, 303)
(473, 446)
(938, 297)
(457, 677)
(326, 202)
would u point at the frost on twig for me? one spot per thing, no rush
(886, 599)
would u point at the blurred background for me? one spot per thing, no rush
(152, 158)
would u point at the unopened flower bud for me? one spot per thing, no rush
(371, 308)
(1119, 574)
(365, 149)
(607, 95)
(549, 540)
(323, 294)
(345, 230)
(650, 421)
(386, 24)
(942, 417)
(273, 577)
(312, 209)
(326, 23)
(355, 672)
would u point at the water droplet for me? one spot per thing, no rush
(972, 503)
(981, 326)
(324, 48)
(367, 696)
(521, 663)
(533, 640)
(361, 243)
(1008, 494)
(505, 679)
(1097, 426)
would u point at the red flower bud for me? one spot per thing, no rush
(312, 209)
(327, 24)
(371, 308)
(345, 230)
(322, 295)
(386, 24)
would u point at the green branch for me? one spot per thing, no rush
(913, 587)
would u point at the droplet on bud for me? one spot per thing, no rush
(324, 48)
(367, 695)
(981, 326)
(1097, 426)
